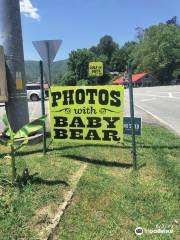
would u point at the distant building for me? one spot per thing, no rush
(114, 73)
(139, 80)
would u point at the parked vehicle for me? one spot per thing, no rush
(34, 91)
(175, 82)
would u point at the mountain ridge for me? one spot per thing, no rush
(33, 72)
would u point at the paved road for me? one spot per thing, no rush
(154, 104)
(161, 104)
(34, 111)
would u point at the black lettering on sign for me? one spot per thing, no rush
(92, 135)
(103, 97)
(68, 97)
(55, 96)
(60, 122)
(94, 122)
(115, 98)
(80, 96)
(77, 122)
(92, 93)
(76, 133)
(60, 133)
(111, 121)
(110, 134)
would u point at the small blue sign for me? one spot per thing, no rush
(127, 126)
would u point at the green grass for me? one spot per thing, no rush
(18, 206)
(110, 201)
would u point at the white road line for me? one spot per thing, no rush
(177, 98)
(159, 119)
(147, 100)
(151, 95)
(170, 95)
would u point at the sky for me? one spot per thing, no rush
(81, 23)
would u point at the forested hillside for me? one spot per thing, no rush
(32, 70)
(155, 50)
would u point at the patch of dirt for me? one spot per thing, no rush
(46, 219)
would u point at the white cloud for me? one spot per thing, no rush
(28, 9)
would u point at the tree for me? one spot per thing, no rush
(121, 57)
(159, 52)
(118, 61)
(173, 20)
(68, 79)
(79, 61)
(95, 50)
(139, 34)
(106, 77)
(107, 47)
(57, 80)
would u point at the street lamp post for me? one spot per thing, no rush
(11, 40)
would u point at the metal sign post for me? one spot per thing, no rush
(132, 117)
(47, 50)
(43, 106)
(49, 64)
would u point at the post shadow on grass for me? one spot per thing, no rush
(22, 153)
(38, 180)
(26, 178)
(98, 162)
(139, 145)
(33, 179)
(2, 155)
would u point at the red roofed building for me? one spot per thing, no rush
(139, 80)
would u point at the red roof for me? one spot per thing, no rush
(135, 77)
(119, 80)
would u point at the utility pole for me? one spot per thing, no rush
(11, 40)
